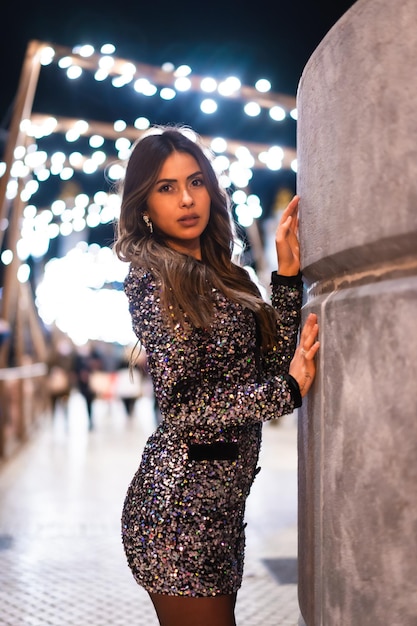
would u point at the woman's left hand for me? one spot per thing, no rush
(286, 241)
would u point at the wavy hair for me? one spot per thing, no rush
(186, 282)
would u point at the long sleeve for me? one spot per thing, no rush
(207, 377)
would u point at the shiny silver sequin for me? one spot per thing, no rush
(183, 520)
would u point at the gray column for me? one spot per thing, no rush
(357, 179)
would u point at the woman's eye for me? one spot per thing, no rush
(197, 182)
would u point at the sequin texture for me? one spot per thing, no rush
(183, 520)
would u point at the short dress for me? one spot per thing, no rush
(183, 514)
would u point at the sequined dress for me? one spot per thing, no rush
(183, 515)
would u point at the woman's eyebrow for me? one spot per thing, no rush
(174, 180)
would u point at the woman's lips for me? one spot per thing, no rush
(189, 220)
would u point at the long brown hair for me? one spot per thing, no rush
(185, 282)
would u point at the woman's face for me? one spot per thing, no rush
(179, 203)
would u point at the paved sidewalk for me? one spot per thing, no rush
(61, 558)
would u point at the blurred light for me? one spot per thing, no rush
(208, 84)
(220, 163)
(72, 135)
(244, 156)
(2, 168)
(208, 106)
(19, 152)
(58, 207)
(36, 159)
(108, 48)
(106, 63)
(116, 172)
(47, 55)
(293, 114)
(66, 173)
(252, 109)
(229, 86)
(101, 75)
(85, 50)
(65, 62)
(141, 123)
(6, 257)
(74, 72)
(239, 196)
(75, 159)
(168, 67)
(294, 165)
(122, 143)
(128, 69)
(23, 273)
(96, 141)
(167, 93)
(42, 174)
(81, 200)
(183, 70)
(89, 166)
(277, 113)
(182, 83)
(263, 85)
(119, 125)
(82, 126)
(218, 144)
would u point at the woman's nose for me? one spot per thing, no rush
(186, 198)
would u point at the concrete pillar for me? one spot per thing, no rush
(357, 179)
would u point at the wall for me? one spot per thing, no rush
(357, 179)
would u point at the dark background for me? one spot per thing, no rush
(270, 39)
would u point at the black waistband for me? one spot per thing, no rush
(216, 451)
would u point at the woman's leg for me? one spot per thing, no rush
(186, 611)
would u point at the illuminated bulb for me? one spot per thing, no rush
(66, 173)
(96, 141)
(263, 85)
(277, 113)
(101, 75)
(141, 123)
(23, 273)
(182, 84)
(294, 165)
(106, 63)
(208, 106)
(47, 55)
(65, 62)
(108, 48)
(293, 114)
(84, 51)
(75, 159)
(183, 70)
(252, 109)
(74, 72)
(167, 93)
(229, 86)
(7, 257)
(119, 125)
(168, 67)
(218, 144)
(208, 85)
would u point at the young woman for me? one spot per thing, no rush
(222, 361)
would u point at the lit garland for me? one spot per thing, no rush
(109, 145)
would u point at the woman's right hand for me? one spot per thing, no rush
(302, 366)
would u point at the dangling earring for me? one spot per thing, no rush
(148, 222)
